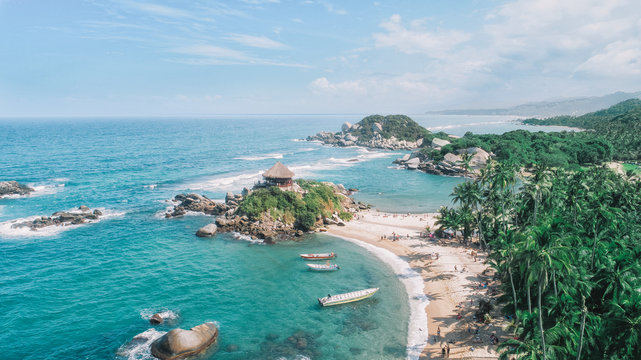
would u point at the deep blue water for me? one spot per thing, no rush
(86, 291)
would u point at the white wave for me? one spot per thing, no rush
(8, 231)
(239, 236)
(417, 328)
(225, 183)
(151, 186)
(139, 348)
(60, 180)
(260, 157)
(298, 140)
(166, 314)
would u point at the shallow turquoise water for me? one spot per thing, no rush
(84, 292)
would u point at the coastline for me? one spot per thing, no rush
(416, 332)
(440, 293)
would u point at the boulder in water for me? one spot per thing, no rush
(156, 319)
(14, 188)
(208, 230)
(180, 343)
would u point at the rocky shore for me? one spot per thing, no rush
(452, 164)
(344, 139)
(62, 218)
(270, 229)
(14, 188)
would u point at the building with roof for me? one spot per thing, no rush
(278, 175)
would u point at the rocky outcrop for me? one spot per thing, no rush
(62, 218)
(377, 141)
(268, 229)
(199, 203)
(14, 188)
(180, 343)
(439, 143)
(208, 230)
(451, 165)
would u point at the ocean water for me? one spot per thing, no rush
(86, 291)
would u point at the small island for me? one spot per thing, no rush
(278, 208)
(62, 218)
(391, 132)
(8, 188)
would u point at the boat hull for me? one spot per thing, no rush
(313, 257)
(347, 297)
(316, 267)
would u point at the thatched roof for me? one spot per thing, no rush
(278, 171)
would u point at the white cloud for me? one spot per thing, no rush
(211, 51)
(620, 58)
(260, 2)
(159, 10)
(256, 41)
(416, 39)
(323, 85)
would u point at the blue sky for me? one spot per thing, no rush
(138, 57)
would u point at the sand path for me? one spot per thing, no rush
(450, 292)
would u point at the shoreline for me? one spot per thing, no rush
(441, 293)
(413, 283)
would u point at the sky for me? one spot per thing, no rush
(199, 58)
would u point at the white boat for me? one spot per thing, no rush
(345, 298)
(324, 267)
(325, 256)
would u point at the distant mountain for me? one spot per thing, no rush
(573, 106)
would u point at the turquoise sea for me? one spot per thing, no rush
(83, 292)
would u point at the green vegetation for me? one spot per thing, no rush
(566, 247)
(526, 149)
(400, 126)
(291, 207)
(619, 124)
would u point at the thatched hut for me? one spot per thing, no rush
(278, 175)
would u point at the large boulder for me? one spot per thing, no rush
(180, 343)
(437, 143)
(413, 163)
(376, 127)
(208, 230)
(346, 126)
(451, 158)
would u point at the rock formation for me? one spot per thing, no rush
(270, 230)
(393, 132)
(451, 165)
(180, 343)
(198, 203)
(62, 218)
(14, 188)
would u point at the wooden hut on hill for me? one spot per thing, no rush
(278, 175)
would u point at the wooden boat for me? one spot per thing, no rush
(325, 256)
(345, 298)
(324, 267)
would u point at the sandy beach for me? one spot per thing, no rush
(450, 281)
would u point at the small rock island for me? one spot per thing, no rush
(278, 208)
(14, 188)
(62, 218)
(392, 132)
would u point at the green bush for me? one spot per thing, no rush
(345, 216)
(290, 207)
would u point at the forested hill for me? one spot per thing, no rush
(620, 124)
(593, 119)
(401, 127)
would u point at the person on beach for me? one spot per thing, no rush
(438, 332)
(447, 349)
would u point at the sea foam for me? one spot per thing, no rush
(8, 231)
(413, 282)
(139, 348)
